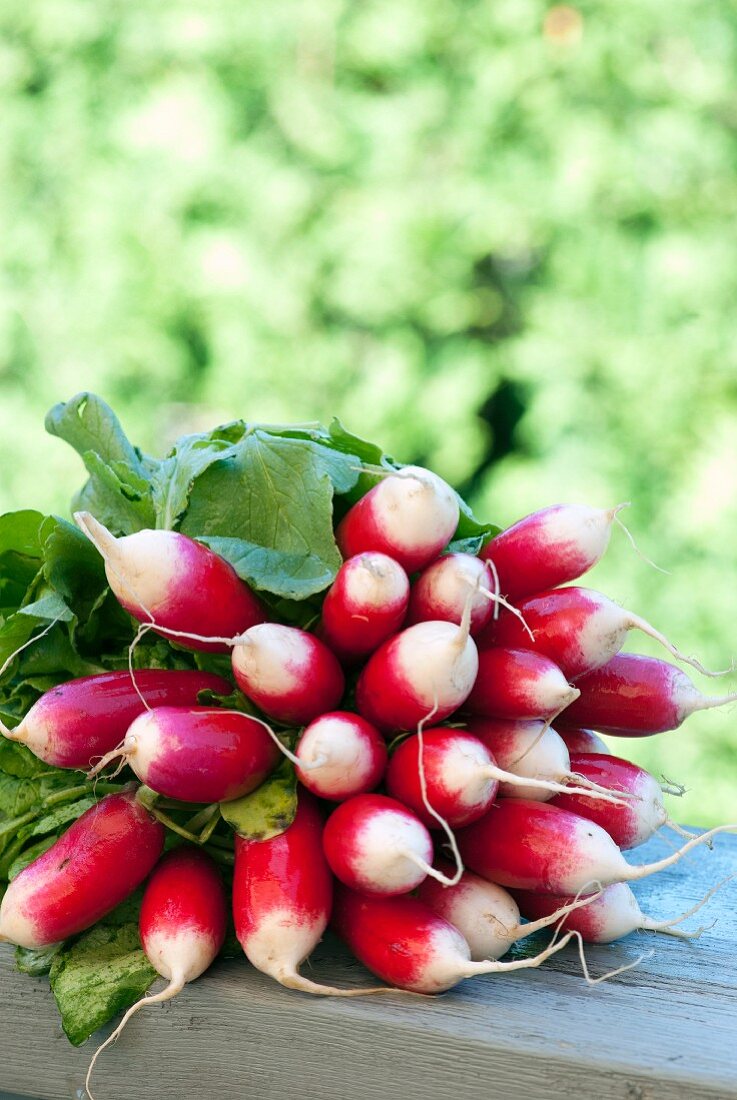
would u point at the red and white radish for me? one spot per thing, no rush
(91, 868)
(520, 684)
(404, 942)
(426, 671)
(443, 589)
(486, 915)
(185, 589)
(290, 674)
(376, 845)
(340, 754)
(365, 605)
(411, 515)
(578, 628)
(85, 718)
(535, 846)
(550, 547)
(581, 740)
(198, 754)
(634, 696)
(182, 923)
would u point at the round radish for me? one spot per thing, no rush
(443, 589)
(84, 718)
(364, 606)
(517, 683)
(581, 740)
(181, 586)
(411, 515)
(341, 754)
(290, 674)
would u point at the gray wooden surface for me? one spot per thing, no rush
(663, 1031)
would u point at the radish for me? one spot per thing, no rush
(461, 777)
(91, 868)
(517, 683)
(550, 547)
(612, 914)
(581, 740)
(442, 590)
(376, 845)
(76, 721)
(578, 628)
(633, 821)
(197, 754)
(183, 921)
(340, 754)
(530, 750)
(411, 515)
(290, 674)
(486, 915)
(535, 846)
(634, 696)
(404, 942)
(365, 605)
(427, 671)
(178, 585)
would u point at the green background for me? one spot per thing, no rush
(498, 237)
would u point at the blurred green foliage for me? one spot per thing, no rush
(498, 237)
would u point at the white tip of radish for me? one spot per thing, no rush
(441, 672)
(393, 852)
(374, 581)
(16, 926)
(585, 530)
(427, 505)
(274, 658)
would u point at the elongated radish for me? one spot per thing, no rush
(290, 674)
(550, 547)
(517, 683)
(198, 754)
(411, 515)
(578, 628)
(404, 942)
(442, 590)
(182, 923)
(84, 718)
(91, 868)
(486, 915)
(429, 668)
(282, 899)
(535, 846)
(461, 777)
(529, 750)
(178, 584)
(632, 821)
(341, 754)
(376, 845)
(609, 916)
(365, 605)
(581, 740)
(634, 696)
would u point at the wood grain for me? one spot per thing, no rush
(666, 1030)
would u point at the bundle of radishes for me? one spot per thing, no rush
(390, 767)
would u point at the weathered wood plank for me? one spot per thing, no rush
(666, 1031)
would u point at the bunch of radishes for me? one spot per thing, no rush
(432, 677)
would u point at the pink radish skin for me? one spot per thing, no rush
(528, 750)
(486, 915)
(615, 913)
(85, 718)
(376, 845)
(405, 943)
(578, 628)
(411, 515)
(182, 924)
(550, 547)
(536, 846)
(91, 868)
(198, 754)
(341, 755)
(635, 696)
(427, 669)
(289, 674)
(183, 587)
(518, 684)
(365, 605)
(443, 589)
(581, 740)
